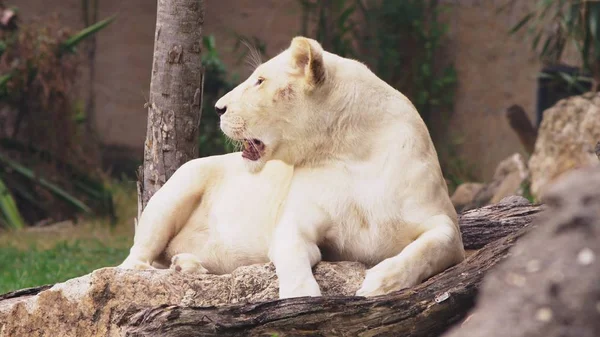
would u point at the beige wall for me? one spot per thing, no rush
(494, 70)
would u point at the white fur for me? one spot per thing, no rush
(349, 172)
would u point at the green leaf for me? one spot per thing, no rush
(536, 41)
(73, 41)
(594, 18)
(346, 14)
(543, 75)
(572, 81)
(9, 208)
(4, 79)
(209, 42)
(521, 23)
(545, 47)
(22, 170)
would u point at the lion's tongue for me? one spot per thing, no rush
(250, 151)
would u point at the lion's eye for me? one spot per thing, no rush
(259, 81)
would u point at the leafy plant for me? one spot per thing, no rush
(455, 169)
(10, 213)
(72, 42)
(575, 22)
(217, 82)
(399, 40)
(38, 66)
(212, 141)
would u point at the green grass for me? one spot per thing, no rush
(67, 259)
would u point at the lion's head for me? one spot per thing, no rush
(271, 111)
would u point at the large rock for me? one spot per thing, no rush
(549, 286)
(566, 140)
(91, 305)
(464, 194)
(508, 180)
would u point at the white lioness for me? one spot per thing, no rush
(337, 165)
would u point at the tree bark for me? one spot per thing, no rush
(425, 310)
(175, 101)
(481, 226)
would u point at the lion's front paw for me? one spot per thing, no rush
(135, 265)
(379, 281)
(187, 263)
(307, 288)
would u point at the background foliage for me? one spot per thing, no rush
(554, 25)
(47, 167)
(403, 43)
(399, 40)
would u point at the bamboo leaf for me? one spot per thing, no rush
(9, 208)
(18, 189)
(572, 81)
(342, 20)
(546, 46)
(536, 41)
(594, 18)
(521, 23)
(22, 170)
(73, 41)
(505, 6)
(4, 79)
(29, 149)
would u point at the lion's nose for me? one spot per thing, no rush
(220, 111)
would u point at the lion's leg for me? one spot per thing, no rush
(146, 247)
(152, 234)
(166, 213)
(432, 252)
(294, 252)
(293, 260)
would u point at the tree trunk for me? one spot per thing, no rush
(175, 101)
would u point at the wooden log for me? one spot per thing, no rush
(483, 225)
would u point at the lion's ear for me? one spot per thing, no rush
(307, 57)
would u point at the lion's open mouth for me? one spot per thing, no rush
(253, 149)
